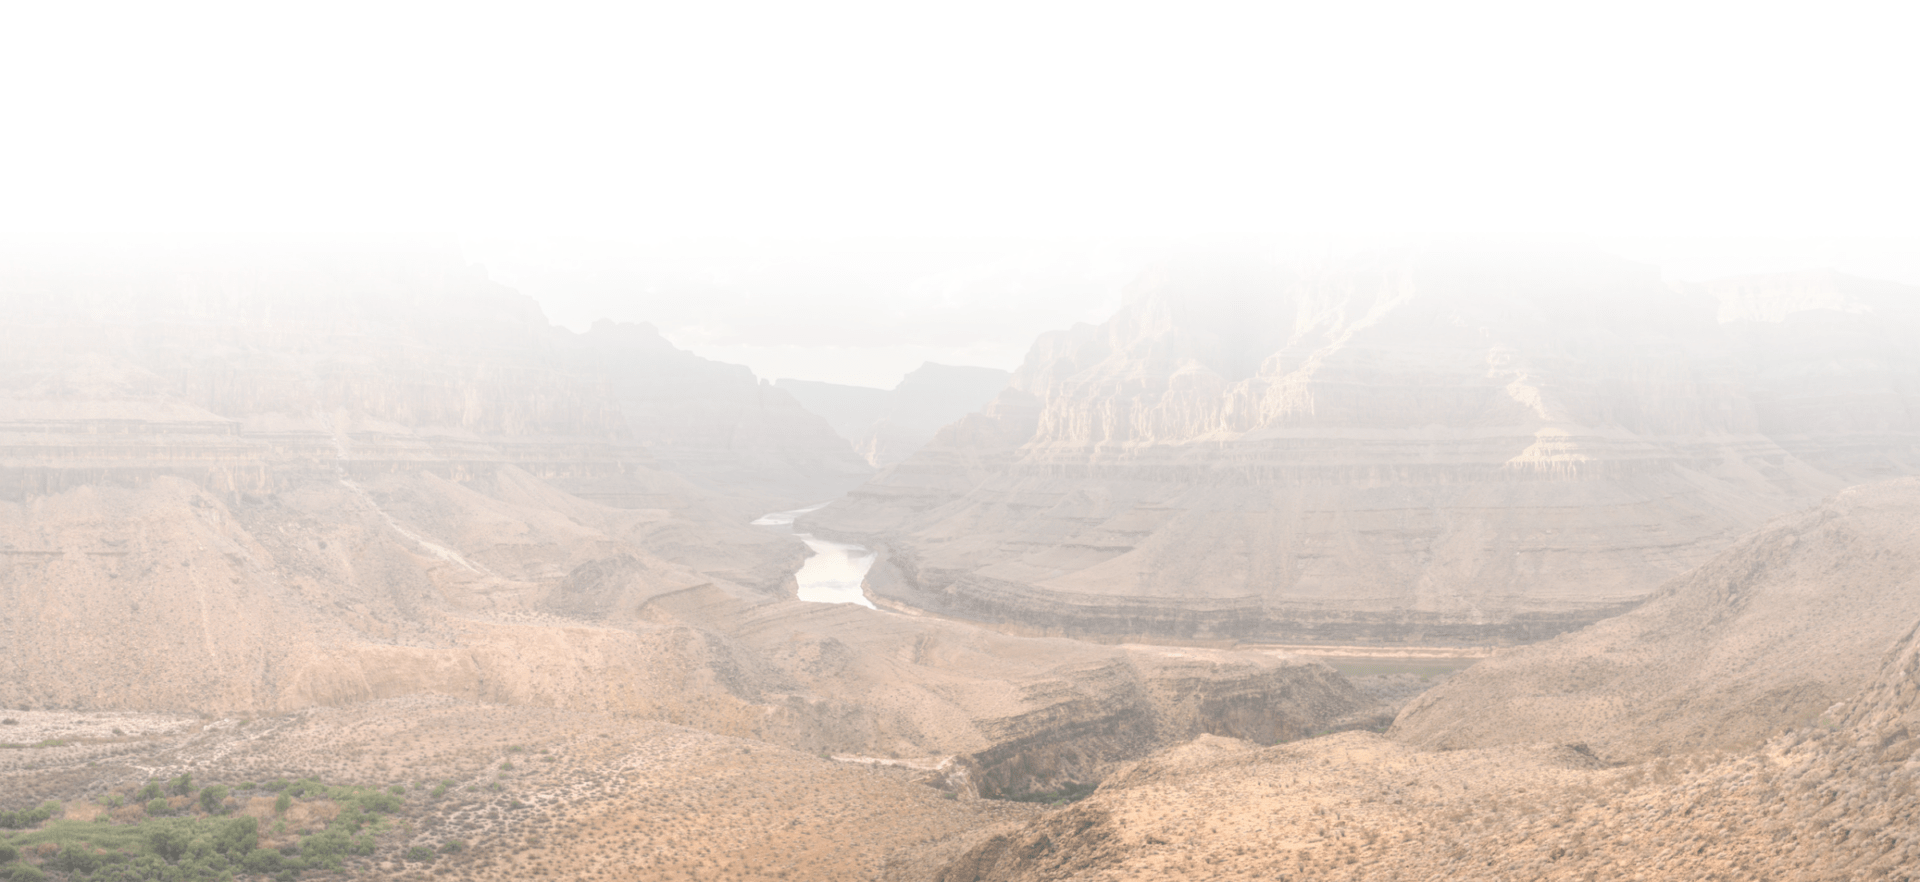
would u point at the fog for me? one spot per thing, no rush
(990, 441)
(857, 188)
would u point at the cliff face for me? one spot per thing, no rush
(887, 426)
(244, 374)
(1404, 447)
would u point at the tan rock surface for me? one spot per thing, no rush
(1766, 636)
(1835, 800)
(1397, 448)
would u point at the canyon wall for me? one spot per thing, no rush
(309, 481)
(244, 372)
(886, 426)
(1396, 447)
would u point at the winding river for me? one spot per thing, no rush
(834, 573)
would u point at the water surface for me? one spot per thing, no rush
(834, 573)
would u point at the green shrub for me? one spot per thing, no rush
(151, 791)
(24, 873)
(379, 803)
(453, 846)
(261, 861)
(238, 837)
(183, 785)
(282, 803)
(8, 853)
(33, 817)
(246, 785)
(439, 790)
(168, 842)
(157, 807)
(214, 800)
(421, 854)
(75, 858)
(275, 784)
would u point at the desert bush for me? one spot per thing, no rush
(213, 800)
(262, 861)
(421, 854)
(151, 791)
(168, 842)
(453, 846)
(157, 807)
(379, 803)
(183, 785)
(24, 873)
(74, 858)
(8, 853)
(282, 803)
(15, 820)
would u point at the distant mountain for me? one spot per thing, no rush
(242, 373)
(887, 426)
(1400, 446)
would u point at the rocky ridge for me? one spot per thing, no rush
(1834, 797)
(1766, 636)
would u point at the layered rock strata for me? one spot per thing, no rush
(1404, 447)
(224, 497)
(248, 374)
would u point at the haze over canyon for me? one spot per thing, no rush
(1407, 563)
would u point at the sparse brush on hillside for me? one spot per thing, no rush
(198, 840)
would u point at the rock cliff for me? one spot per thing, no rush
(245, 373)
(1398, 447)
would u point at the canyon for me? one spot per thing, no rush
(1399, 447)
(307, 482)
(886, 426)
(369, 517)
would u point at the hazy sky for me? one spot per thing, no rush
(522, 125)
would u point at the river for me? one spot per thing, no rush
(834, 573)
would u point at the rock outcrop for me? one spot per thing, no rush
(1405, 447)
(1834, 798)
(1765, 637)
(886, 426)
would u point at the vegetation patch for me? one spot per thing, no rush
(177, 832)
